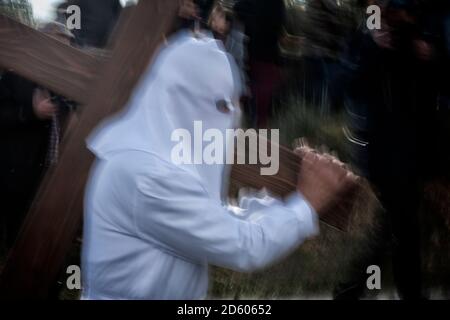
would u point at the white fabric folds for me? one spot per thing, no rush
(152, 227)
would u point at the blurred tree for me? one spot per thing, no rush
(317, 27)
(20, 10)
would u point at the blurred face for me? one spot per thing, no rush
(188, 9)
(219, 22)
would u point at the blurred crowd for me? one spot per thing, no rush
(391, 83)
(394, 87)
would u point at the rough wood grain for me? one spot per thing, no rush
(285, 182)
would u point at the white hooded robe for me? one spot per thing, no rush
(152, 227)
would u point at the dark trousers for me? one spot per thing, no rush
(393, 164)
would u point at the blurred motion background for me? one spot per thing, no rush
(379, 99)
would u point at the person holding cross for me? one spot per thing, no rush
(152, 226)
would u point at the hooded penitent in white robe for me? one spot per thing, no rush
(151, 226)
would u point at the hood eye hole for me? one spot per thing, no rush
(222, 106)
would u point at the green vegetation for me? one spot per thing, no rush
(20, 10)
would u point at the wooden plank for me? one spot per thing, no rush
(46, 61)
(338, 215)
(47, 234)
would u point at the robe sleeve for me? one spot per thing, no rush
(176, 213)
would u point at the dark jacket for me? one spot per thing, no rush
(263, 22)
(98, 19)
(23, 143)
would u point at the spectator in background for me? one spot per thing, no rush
(263, 22)
(391, 98)
(98, 19)
(220, 21)
(226, 27)
(31, 119)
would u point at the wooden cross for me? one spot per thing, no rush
(102, 86)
